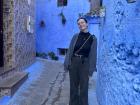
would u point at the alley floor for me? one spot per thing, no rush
(48, 84)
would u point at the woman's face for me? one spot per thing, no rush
(82, 25)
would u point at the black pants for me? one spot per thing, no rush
(79, 81)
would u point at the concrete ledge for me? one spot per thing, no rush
(10, 85)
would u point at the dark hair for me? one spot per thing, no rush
(82, 18)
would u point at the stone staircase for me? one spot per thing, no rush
(11, 84)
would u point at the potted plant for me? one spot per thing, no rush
(42, 55)
(52, 56)
(63, 18)
(102, 11)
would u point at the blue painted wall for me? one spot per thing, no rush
(54, 34)
(118, 80)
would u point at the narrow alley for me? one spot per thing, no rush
(49, 86)
(42, 39)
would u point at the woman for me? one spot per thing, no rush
(80, 61)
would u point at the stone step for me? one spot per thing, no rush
(10, 85)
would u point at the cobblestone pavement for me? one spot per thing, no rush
(50, 86)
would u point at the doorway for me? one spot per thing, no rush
(1, 34)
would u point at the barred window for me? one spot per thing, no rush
(61, 3)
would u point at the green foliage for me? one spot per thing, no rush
(52, 56)
(42, 55)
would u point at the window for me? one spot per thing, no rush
(62, 51)
(101, 2)
(61, 3)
